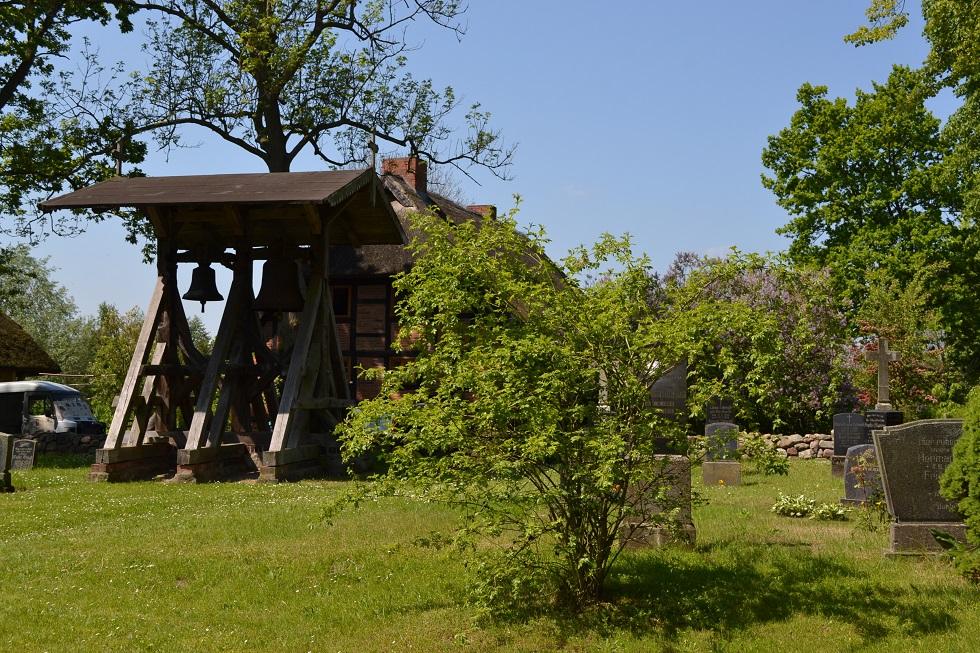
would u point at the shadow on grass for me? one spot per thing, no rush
(743, 585)
(64, 460)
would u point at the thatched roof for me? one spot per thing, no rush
(19, 351)
(384, 260)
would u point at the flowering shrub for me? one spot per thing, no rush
(789, 373)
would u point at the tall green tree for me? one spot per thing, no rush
(113, 340)
(46, 142)
(858, 182)
(278, 78)
(790, 372)
(46, 310)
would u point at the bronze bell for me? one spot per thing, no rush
(203, 286)
(280, 291)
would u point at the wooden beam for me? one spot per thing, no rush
(297, 364)
(324, 403)
(313, 218)
(134, 436)
(230, 323)
(236, 218)
(127, 395)
(229, 386)
(306, 392)
(155, 215)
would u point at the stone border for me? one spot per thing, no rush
(48, 442)
(805, 447)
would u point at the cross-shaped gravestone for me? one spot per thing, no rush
(883, 357)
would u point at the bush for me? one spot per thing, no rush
(802, 506)
(961, 482)
(829, 512)
(798, 506)
(527, 406)
(763, 456)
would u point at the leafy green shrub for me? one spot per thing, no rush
(763, 456)
(829, 512)
(798, 506)
(961, 482)
(802, 506)
(528, 406)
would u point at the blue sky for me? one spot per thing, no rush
(646, 117)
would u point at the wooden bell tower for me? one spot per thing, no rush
(247, 405)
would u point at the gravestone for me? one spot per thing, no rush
(883, 415)
(669, 393)
(648, 527)
(876, 420)
(911, 459)
(883, 356)
(719, 410)
(856, 492)
(850, 429)
(23, 454)
(721, 472)
(6, 450)
(721, 440)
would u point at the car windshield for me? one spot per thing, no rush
(73, 408)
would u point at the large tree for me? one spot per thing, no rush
(45, 143)
(278, 78)
(858, 182)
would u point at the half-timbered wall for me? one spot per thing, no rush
(366, 329)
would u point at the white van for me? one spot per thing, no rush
(28, 407)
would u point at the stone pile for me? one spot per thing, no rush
(804, 447)
(48, 442)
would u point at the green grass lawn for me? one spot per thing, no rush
(246, 567)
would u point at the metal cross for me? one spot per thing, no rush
(883, 356)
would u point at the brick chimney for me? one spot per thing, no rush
(412, 170)
(486, 210)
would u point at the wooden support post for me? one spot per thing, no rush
(230, 323)
(297, 364)
(127, 395)
(134, 436)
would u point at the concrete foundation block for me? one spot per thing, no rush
(915, 538)
(721, 473)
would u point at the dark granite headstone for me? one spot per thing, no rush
(850, 430)
(6, 449)
(669, 393)
(856, 492)
(23, 454)
(879, 419)
(911, 459)
(719, 410)
(721, 440)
